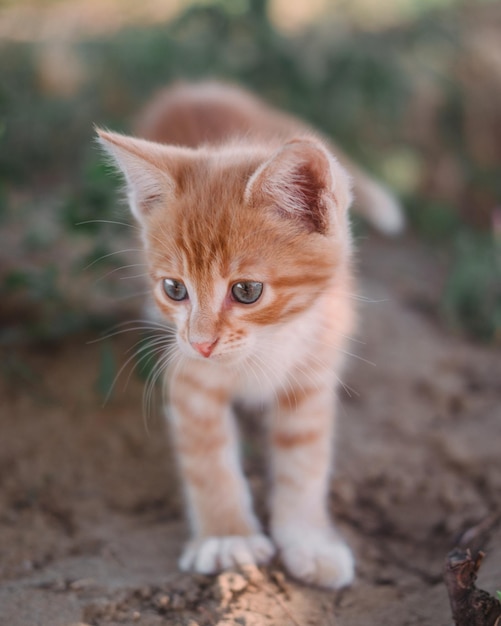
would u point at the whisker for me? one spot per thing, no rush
(361, 298)
(151, 340)
(135, 275)
(168, 331)
(156, 373)
(348, 388)
(149, 355)
(118, 269)
(140, 320)
(112, 386)
(149, 387)
(357, 356)
(350, 338)
(105, 256)
(108, 222)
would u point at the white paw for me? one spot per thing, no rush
(215, 554)
(315, 557)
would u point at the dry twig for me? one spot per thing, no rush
(470, 606)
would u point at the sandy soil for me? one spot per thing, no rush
(90, 511)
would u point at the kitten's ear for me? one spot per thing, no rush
(148, 169)
(302, 181)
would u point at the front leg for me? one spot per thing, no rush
(225, 531)
(302, 440)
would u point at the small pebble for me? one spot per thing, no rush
(163, 601)
(82, 583)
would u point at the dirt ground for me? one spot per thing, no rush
(90, 511)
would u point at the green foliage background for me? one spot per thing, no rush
(356, 85)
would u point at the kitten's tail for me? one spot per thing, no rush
(376, 203)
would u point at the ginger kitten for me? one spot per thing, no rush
(244, 218)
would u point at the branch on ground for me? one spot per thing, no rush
(470, 606)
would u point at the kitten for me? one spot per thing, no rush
(244, 217)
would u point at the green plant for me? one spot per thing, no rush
(472, 295)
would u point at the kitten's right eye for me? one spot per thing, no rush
(175, 289)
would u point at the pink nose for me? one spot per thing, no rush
(205, 348)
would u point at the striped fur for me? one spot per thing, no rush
(247, 197)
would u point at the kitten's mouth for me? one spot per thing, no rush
(217, 353)
(221, 358)
(218, 357)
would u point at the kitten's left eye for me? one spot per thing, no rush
(175, 289)
(247, 292)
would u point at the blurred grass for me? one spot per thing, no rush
(472, 296)
(367, 89)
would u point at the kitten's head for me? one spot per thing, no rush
(239, 240)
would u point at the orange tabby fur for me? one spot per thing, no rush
(227, 191)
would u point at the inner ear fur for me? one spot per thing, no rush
(304, 182)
